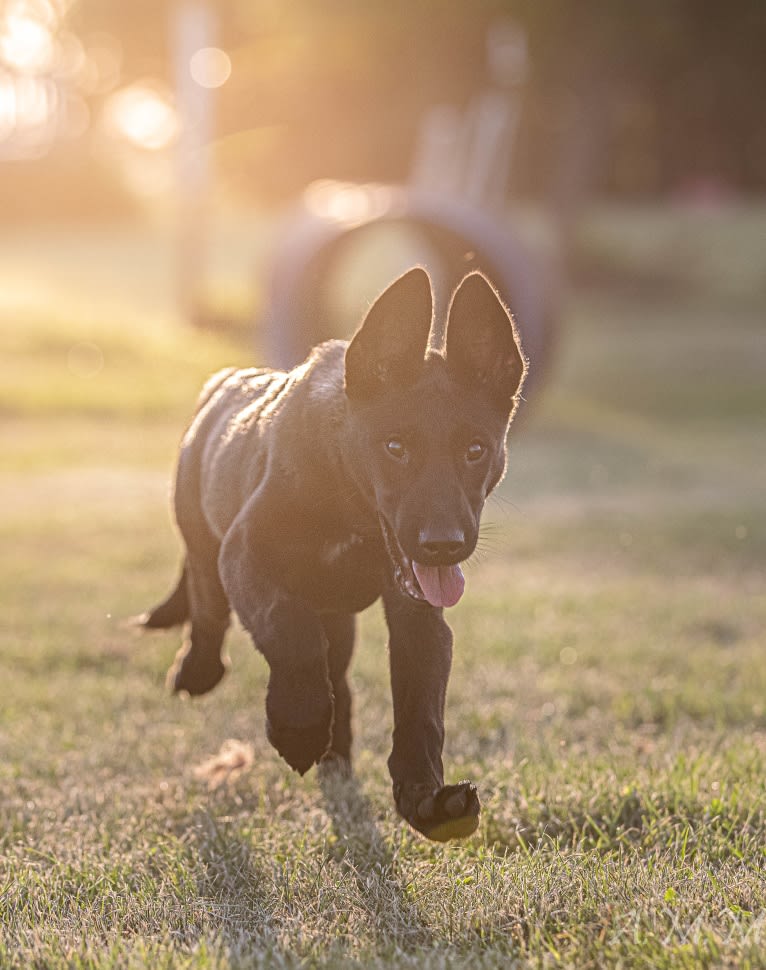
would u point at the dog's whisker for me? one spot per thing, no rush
(506, 504)
(477, 558)
(490, 529)
(493, 535)
(492, 542)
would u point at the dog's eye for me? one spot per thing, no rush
(475, 451)
(395, 448)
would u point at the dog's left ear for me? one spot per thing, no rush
(390, 345)
(483, 346)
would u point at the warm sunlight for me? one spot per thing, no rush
(143, 115)
(350, 204)
(7, 105)
(40, 67)
(272, 273)
(28, 107)
(26, 44)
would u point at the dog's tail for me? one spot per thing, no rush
(172, 611)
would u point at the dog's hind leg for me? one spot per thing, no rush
(340, 629)
(198, 665)
(172, 611)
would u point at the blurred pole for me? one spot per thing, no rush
(193, 27)
(493, 118)
(469, 155)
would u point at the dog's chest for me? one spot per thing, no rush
(334, 550)
(343, 574)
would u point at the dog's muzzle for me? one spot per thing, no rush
(438, 585)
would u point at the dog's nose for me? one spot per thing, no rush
(439, 547)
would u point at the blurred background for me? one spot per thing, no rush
(148, 151)
(629, 101)
(168, 168)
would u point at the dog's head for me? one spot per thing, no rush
(427, 428)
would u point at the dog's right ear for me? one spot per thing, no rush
(390, 345)
(483, 346)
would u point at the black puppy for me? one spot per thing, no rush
(302, 497)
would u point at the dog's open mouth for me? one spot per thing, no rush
(436, 585)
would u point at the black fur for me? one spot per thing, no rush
(302, 497)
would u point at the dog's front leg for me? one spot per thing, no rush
(420, 646)
(290, 635)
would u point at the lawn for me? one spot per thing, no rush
(608, 691)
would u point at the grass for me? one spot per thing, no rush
(608, 691)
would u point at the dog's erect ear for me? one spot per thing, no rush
(483, 347)
(390, 345)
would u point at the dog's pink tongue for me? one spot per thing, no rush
(441, 585)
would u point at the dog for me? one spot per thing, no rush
(304, 496)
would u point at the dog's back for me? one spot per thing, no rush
(248, 421)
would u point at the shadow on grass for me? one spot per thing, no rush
(256, 894)
(233, 894)
(389, 901)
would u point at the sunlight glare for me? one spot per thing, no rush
(26, 44)
(25, 103)
(7, 107)
(143, 116)
(36, 102)
(350, 204)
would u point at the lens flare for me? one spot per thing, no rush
(142, 115)
(26, 44)
(210, 67)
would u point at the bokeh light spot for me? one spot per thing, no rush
(85, 359)
(210, 67)
(143, 116)
(26, 44)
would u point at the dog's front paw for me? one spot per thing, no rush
(301, 747)
(194, 672)
(299, 717)
(450, 812)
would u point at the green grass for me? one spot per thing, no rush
(608, 691)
